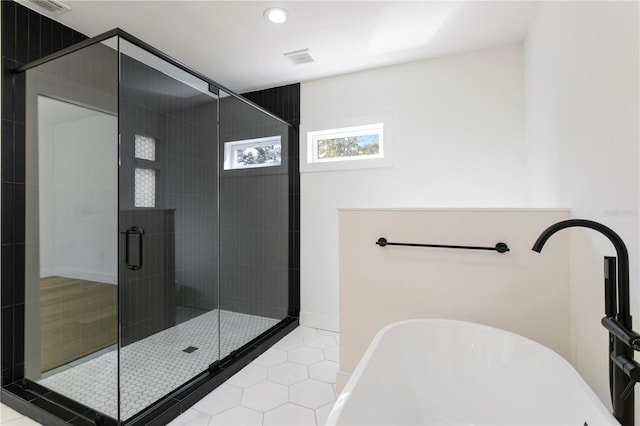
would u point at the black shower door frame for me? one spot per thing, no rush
(52, 406)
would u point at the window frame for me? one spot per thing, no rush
(345, 132)
(230, 158)
(309, 133)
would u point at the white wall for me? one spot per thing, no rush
(458, 142)
(582, 113)
(46, 151)
(78, 197)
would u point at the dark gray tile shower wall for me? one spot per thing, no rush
(284, 101)
(182, 121)
(26, 36)
(254, 220)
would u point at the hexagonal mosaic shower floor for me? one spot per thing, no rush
(154, 366)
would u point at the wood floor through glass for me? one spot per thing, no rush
(154, 366)
(77, 318)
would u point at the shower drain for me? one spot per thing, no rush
(190, 349)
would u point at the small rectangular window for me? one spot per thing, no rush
(251, 153)
(145, 187)
(346, 144)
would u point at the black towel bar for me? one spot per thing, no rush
(500, 247)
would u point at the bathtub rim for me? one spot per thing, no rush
(342, 399)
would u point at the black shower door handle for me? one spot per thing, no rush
(133, 247)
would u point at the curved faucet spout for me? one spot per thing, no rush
(621, 250)
(623, 370)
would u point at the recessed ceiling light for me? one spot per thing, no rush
(277, 15)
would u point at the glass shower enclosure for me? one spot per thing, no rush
(157, 229)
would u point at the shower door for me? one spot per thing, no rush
(157, 230)
(168, 228)
(71, 215)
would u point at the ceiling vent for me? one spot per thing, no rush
(298, 57)
(51, 6)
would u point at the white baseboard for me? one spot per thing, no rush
(321, 321)
(46, 272)
(99, 277)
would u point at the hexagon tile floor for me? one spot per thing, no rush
(292, 383)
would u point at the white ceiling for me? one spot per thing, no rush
(233, 44)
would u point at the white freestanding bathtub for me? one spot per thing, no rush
(443, 372)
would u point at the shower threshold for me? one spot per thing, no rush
(153, 367)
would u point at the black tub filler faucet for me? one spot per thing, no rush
(624, 372)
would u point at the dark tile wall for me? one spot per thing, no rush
(254, 219)
(284, 102)
(26, 36)
(180, 261)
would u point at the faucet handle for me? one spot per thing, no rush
(628, 337)
(631, 369)
(629, 366)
